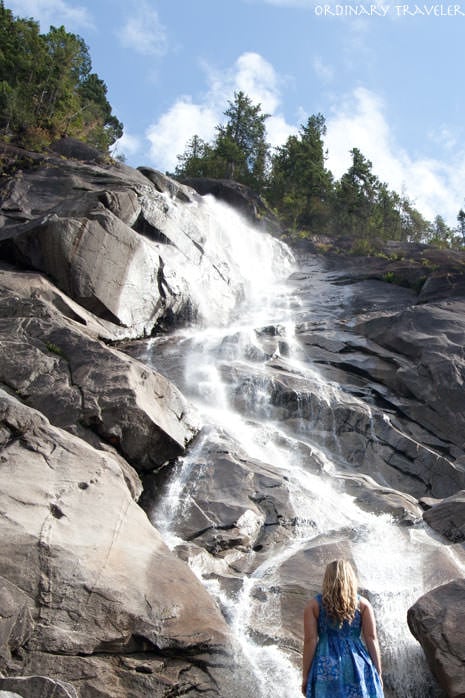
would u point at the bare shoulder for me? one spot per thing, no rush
(364, 604)
(312, 607)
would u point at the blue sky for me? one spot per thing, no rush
(386, 75)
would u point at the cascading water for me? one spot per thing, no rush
(230, 365)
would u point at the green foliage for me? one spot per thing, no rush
(47, 89)
(440, 234)
(54, 349)
(300, 186)
(239, 151)
(301, 190)
(197, 160)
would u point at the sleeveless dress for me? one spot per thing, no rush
(342, 667)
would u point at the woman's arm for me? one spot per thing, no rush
(310, 639)
(369, 633)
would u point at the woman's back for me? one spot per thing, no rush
(328, 625)
(341, 667)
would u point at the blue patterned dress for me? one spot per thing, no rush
(342, 667)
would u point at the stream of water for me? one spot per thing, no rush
(221, 366)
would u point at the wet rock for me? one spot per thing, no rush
(437, 621)
(370, 441)
(448, 517)
(230, 503)
(241, 197)
(429, 338)
(127, 245)
(56, 364)
(371, 497)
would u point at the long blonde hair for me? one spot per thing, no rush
(340, 591)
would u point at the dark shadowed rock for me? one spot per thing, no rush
(241, 197)
(16, 624)
(437, 621)
(429, 338)
(73, 148)
(448, 517)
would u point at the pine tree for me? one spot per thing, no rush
(300, 185)
(47, 89)
(240, 144)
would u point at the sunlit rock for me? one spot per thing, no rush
(94, 573)
(437, 620)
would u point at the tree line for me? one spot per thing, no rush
(296, 183)
(48, 89)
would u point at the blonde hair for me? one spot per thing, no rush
(340, 591)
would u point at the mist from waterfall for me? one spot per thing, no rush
(229, 377)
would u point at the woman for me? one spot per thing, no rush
(336, 663)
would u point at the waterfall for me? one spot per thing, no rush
(229, 366)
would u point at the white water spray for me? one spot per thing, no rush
(228, 365)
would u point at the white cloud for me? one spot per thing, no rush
(52, 12)
(278, 130)
(444, 137)
(323, 71)
(258, 79)
(143, 31)
(127, 145)
(360, 122)
(170, 134)
(252, 74)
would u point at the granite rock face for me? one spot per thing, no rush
(127, 245)
(448, 517)
(83, 552)
(437, 620)
(53, 360)
(356, 418)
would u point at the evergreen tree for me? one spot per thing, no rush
(239, 150)
(461, 220)
(300, 185)
(441, 234)
(100, 126)
(194, 161)
(355, 198)
(240, 144)
(47, 89)
(414, 226)
(388, 214)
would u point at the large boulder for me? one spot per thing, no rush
(231, 503)
(52, 359)
(437, 621)
(128, 245)
(448, 517)
(94, 573)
